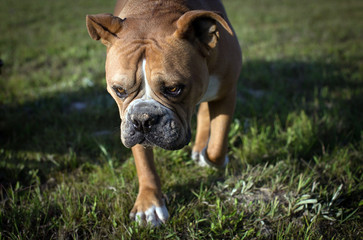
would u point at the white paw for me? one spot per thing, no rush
(154, 216)
(195, 156)
(203, 161)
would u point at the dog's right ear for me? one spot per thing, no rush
(104, 26)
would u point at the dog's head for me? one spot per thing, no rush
(157, 72)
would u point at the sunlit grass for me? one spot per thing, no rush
(296, 145)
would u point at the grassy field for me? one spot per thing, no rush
(296, 145)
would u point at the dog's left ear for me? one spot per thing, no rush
(104, 26)
(200, 27)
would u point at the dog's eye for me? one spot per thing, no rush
(173, 91)
(120, 92)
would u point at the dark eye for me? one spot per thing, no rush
(120, 92)
(173, 91)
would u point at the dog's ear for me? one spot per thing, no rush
(200, 27)
(104, 26)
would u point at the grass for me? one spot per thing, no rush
(296, 144)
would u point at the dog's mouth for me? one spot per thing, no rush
(145, 142)
(168, 140)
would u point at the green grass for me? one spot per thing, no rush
(296, 144)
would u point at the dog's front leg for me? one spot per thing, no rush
(149, 206)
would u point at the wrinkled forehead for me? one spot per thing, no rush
(163, 57)
(126, 59)
(123, 60)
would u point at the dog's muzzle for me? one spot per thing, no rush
(149, 123)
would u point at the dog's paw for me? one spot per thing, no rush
(195, 156)
(149, 209)
(202, 160)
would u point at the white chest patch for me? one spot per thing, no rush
(212, 90)
(147, 94)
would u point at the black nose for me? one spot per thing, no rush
(144, 122)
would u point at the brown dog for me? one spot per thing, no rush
(165, 57)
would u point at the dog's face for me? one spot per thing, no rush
(156, 74)
(156, 89)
